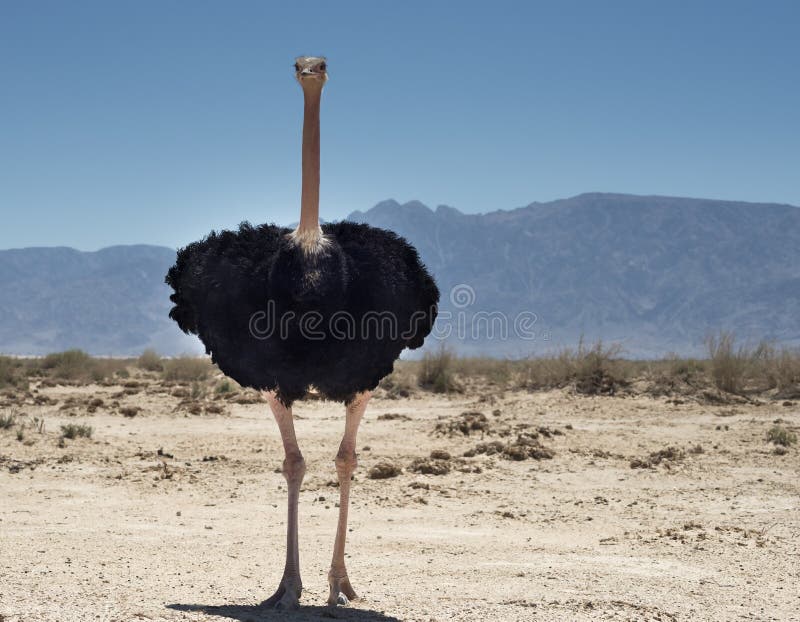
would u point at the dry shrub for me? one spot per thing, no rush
(786, 369)
(7, 422)
(74, 430)
(598, 368)
(687, 370)
(437, 372)
(729, 363)
(68, 364)
(187, 369)
(129, 411)
(666, 455)
(735, 368)
(400, 383)
(548, 371)
(77, 366)
(224, 388)
(595, 369)
(11, 373)
(778, 435)
(495, 371)
(150, 360)
(778, 369)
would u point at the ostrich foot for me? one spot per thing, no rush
(341, 590)
(287, 596)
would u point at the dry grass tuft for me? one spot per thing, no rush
(129, 411)
(7, 422)
(593, 370)
(400, 383)
(729, 363)
(78, 367)
(73, 430)
(437, 372)
(224, 388)
(187, 369)
(150, 360)
(12, 373)
(778, 435)
(598, 369)
(665, 456)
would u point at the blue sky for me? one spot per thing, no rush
(154, 122)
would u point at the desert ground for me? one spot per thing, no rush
(565, 507)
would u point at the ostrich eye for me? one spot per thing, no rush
(323, 67)
(297, 66)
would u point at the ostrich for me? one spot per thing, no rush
(283, 311)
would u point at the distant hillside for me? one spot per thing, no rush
(110, 302)
(655, 273)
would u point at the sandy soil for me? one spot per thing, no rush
(106, 529)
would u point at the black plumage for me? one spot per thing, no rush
(274, 316)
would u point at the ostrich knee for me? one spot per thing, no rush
(294, 469)
(346, 463)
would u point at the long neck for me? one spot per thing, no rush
(309, 200)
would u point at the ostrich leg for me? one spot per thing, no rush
(341, 590)
(287, 596)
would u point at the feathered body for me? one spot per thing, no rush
(275, 315)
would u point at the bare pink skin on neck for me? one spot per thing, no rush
(309, 200)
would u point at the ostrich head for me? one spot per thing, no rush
(311, 71)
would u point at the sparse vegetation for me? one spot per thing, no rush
(11, 373)
(778, 435)
(666, 456)
(686, 369)
(224, 388)
(400, 383)
(786, 369)
(591, 369)
(729, 363)
(150, 360)
(198, 391)
(74, 430)
(78, 366)
(67, 364)
(187, 369)
(437, 373)
(129, 411)
(7, 422)
(598, 368)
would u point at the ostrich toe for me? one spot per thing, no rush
(341, 591)
(287, 596)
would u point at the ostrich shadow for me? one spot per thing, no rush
(307, 613)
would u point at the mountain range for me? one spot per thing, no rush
(656, 274)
